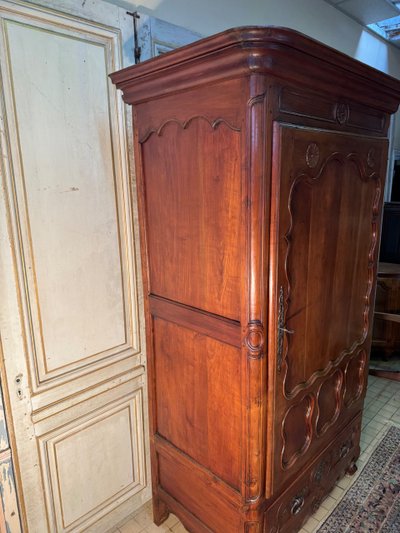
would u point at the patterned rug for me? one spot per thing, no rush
(372, 503)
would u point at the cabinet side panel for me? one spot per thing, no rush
(198, 397)
(189, 162)
(199, 495)
(192, 195)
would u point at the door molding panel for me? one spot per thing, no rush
(121, 475)
(24, 248)
(310, 180)
(70, 367)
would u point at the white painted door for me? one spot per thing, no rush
(70, 301)
(156, 36)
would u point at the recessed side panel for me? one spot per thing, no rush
(198, 397)
(198, 493)
(192, 179)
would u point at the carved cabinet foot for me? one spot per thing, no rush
(351, 469)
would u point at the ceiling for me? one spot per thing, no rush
(367, 11)
(381, 16)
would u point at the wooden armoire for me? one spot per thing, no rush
(260, 163)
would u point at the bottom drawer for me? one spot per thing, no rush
(304, 496)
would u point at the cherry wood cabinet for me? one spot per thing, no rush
(260, 163)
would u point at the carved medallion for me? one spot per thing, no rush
(342, 112)
(312, 155)
(371, 158)
(255, 339)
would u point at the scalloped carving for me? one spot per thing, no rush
(297, 431)
(354, 378)
(185, 124)
(311, 180)
(329, 397)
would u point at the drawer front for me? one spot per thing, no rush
(303, 497)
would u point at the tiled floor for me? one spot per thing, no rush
(382, 406)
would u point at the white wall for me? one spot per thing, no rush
(315, 18)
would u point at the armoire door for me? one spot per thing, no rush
(70, 319)
(325, 227)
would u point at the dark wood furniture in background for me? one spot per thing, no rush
(260, 160)
(390, 240)
(386, 330)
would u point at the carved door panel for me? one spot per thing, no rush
(326, 214)
(70, 315)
